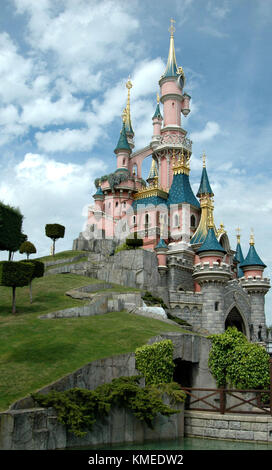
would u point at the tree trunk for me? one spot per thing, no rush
(13, 299)
(54, 241)
(30, 291)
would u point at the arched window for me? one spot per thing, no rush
(124, 161)
(193, 221)
(216, 306)
(146, 219)
(134, 219)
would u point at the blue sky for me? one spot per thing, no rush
(63, 69)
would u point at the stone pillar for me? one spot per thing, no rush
(257, 288)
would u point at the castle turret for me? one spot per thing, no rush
(157, 123)
(122, 150)
(256, 286)
(212, 275)
(239, 257)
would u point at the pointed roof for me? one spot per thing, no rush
(161, 244)
(205, 187)
(157, 113)
(211, 243)
(239, 257)
(153, 173)
(122, 142)
(252, 258)
(171, 67)
(99, 192)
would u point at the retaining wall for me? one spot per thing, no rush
(257, 428)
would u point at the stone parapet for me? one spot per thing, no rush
(215, 272)
(255, 284)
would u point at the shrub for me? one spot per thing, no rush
(78, 408)
(11, 235)
(155, 362)
(235, 361)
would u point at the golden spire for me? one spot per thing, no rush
(238, 234)
(158, 98)
(126, 112)
(171, 67)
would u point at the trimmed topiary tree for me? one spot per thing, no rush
(54, 231)
(28, 248)
(38, 271)
(15, 274)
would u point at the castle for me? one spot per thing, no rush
(209, 284)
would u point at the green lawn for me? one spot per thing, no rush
(62, 255)
(36, 352)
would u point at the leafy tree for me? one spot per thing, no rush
(28, 248)
(54, 231)
(15, 274)
(11, 236)
(234, 360)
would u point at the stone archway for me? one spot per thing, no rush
(234, 318)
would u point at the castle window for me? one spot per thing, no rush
(193, 221)
(116, 204)
(216, 306)
(109, 205)
(176, 220)
(134, 219)
(124, 203)
(146, 219)
(124, 161)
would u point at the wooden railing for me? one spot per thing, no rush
(260, 401)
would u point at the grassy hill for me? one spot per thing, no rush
(35, 352)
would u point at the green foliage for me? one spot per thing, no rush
(78, 409)
(54, 231)
(38, 267)
(113, 179)
(235, 361)
(15, 273)
(155, 362)
(11, 221)
(150, 299)
(123, 247)
(28, 248)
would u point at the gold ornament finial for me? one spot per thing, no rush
(204, 160)
(158, 98)
(172, 27)
(238, 234)
(252, 242)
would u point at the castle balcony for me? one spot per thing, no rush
(173, 140)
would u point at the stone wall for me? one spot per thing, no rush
(39, 429)
(257, 428)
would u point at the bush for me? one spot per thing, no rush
(235, 361)
(155, 362)
(150, 299)
(78, 408)
(134, 242)
(11, 235)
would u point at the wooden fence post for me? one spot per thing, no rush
(222, 400)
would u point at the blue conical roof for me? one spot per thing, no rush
(181, 191)
(157, 113)
(161, 244)
(252, 258)
(205, 187)
(123, 142)
(239, 258)
(211, 243)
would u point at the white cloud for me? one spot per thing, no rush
(210, 130)
(48, 191)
